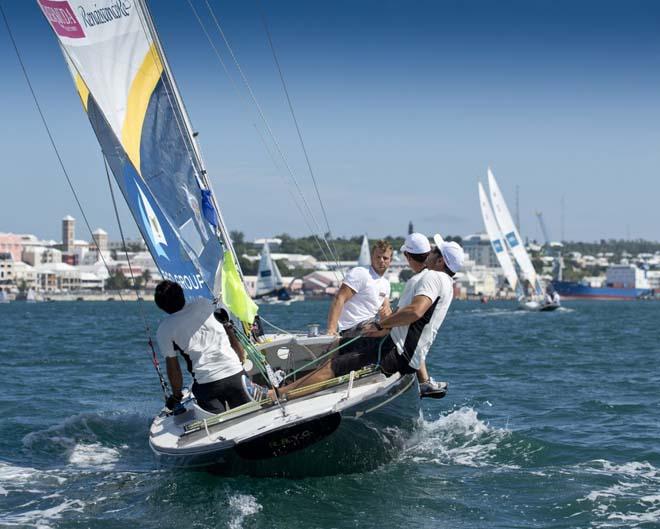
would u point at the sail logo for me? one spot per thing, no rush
(512, 239)
(152, 225)
(102, 15)
(497, 246)
(62, 19)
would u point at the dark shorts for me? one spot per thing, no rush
(372, 352)
(221, 394)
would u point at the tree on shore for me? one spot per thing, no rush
(117, 281)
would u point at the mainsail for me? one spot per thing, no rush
(269, 279)
(497, 241)
(511, 234)
(133, 105)
(365, 254)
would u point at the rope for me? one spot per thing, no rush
(50, 137)
(295, 121)
(154, 356)
(324, 355)
(270, 132)
(245, 108)
(73, 190)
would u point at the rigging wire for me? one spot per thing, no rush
(295, 121)
(267, 126)
(75, 194)
(241, 98)
(194, 156)
(154, 356)
(50, 137)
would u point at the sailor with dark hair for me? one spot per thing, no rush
(207, 342)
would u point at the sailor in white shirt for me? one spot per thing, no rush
(411, 330)
(363, 294)
(209, 347)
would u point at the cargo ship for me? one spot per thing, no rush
(576, 290)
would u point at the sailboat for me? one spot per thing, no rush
(507, 236)
(365, 253)
(134, 106)
(4, 298)
(498, 244)
(270, 286)
(31, 296)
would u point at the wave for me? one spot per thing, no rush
(242, 506)
(629, 499)
(458, 438)
(90, 440)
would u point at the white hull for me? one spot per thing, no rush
(536, 306)
(270, 438)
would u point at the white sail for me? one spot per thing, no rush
(269, 279)
(365, 254)
(4, 298)
(497, 240)
(511, 235)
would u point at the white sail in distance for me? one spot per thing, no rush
(269, 279)
(365, 253)
(497, 240)
(511, 235)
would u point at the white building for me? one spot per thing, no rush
(57, 277)
(38, 255)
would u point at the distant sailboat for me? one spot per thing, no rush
(514, 242)
(270, 286)
(498, 244)
(31, 296)
(4, 298)
(365, 253)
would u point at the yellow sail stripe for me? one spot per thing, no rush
(139, 95)
(83, 91)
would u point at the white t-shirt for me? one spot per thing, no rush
(202, 339)
(414, 340)
(371, 291)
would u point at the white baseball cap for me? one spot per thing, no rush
(416, 243)
(452, 253)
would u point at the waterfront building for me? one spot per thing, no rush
(6, 271)
(37, 255)
(68, 233)
(24, 274)
(11, 243)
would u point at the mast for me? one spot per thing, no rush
(196, 151)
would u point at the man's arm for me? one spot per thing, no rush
(343, 295)
(175, 376)
(385, 309)
(404, 316)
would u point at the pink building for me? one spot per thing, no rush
(11, 243)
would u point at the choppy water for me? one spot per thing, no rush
(552, 420)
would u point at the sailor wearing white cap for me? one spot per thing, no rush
(413, 327)
(422, 308)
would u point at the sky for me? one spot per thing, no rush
(402, 106)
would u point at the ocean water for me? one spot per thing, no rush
(552, 420)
